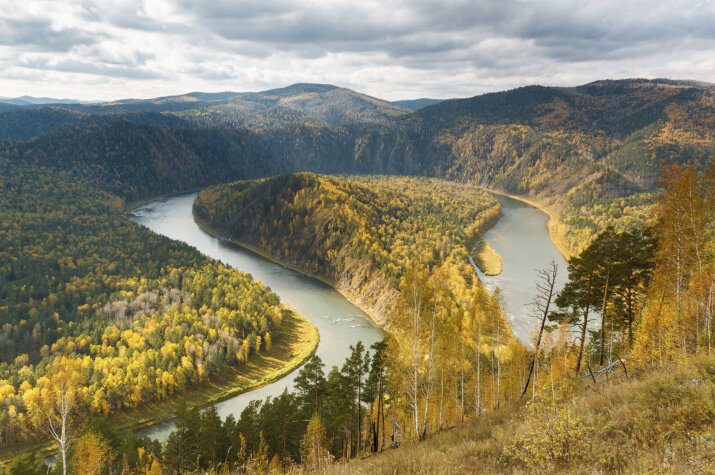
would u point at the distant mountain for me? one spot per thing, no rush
(417, 104)
(311, 103)
(32, 101)
(5, 107)
(578, 149)
(27, 122)
(299, 103)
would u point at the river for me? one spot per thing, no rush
(520, 236)
(522, 239)
(339, 322)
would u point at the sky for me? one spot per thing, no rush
(392, 49)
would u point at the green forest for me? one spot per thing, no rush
(596, 402)
(132, 316)
(602, 143)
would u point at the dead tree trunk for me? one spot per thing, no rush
(545, 292)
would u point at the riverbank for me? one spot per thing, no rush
(293, 344)
(487, 259)
(552, 224)
(132, 205)
(380, 321)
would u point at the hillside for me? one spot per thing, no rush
(605, 140)
(26, 123)
(363, 234)
(613, 426)
(133, 317)
(329, 104)
(299, 103)
(417, 104)
(136, 160)
(591, 153)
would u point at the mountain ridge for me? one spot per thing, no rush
(566, 148)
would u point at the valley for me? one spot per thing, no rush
(338, 322)
(340, 277)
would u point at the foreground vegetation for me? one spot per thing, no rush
(596, 403)
(90, 324)
(652, 421)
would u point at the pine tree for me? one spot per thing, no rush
(579, 296)
(310, 383)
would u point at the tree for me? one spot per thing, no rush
(377, 380)
(310, 383)
(579, 296)
(541, 304)
(409, 344)
(53, 400)
(635, 269)
(210, 434)
(677, 319)
(27, 465)
(354, 370)
(91, 453)
(608, 248)
(314, 447)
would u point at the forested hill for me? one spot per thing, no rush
(417, 104)
(669, 120)
(299, 103)
(136, 160)
(593, 153)
(363, 234)
(136, 317)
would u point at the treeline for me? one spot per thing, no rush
(607, 201)
(443, 365)
(322, 419)
(645, 295)
(129, 316)
(362, 233)
(677, 319)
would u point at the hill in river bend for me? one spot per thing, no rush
(591, 153)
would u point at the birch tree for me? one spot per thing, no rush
(52, 401)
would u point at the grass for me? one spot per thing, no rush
(487, 259)
(657, 421)
(293, 343)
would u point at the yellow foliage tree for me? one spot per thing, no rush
(90, 454)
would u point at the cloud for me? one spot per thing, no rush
(38, 34)
(389, 48)
(94, 68)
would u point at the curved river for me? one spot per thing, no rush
(520, 236)
(522, 239)
(339, 322)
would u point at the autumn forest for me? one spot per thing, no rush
(107, 327)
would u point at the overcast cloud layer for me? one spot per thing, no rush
(394, 49)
